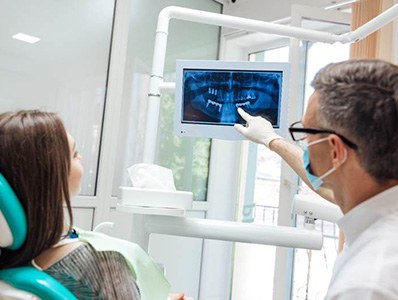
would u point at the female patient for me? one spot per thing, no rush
(40, 161)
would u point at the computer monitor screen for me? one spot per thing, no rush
(208, 94)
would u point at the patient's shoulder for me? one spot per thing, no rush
(50, 256)
(89, 274)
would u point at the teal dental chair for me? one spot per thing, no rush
(13, 231)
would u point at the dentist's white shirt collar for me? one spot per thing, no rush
(363, 215)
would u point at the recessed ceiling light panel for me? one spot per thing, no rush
(26, 38)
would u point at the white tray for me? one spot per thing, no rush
(145, 210)
(133, 196)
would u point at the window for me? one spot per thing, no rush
(313, 269)
(187, 157)
(254, 264)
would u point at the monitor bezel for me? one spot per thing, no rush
(226, 132)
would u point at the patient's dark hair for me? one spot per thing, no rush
(35, 160)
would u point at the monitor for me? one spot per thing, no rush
(208, 94)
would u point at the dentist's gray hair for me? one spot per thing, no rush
(359, 99)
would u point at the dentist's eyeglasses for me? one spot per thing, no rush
(299, 133)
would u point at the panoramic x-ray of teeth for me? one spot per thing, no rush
(213, 96)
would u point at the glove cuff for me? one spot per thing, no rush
(269, 139)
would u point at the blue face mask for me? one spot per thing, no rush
(315, 181)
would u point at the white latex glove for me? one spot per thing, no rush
(257, 129)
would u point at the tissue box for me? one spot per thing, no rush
(155, 198)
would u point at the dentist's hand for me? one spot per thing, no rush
(257, 129)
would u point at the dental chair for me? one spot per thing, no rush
(22, 282)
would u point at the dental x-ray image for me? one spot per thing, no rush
(213, 96)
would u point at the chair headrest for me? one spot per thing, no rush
(13, 221)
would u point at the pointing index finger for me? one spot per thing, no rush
(244, 114)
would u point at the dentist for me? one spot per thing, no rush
(349, 155)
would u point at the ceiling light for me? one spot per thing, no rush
(26, 38)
